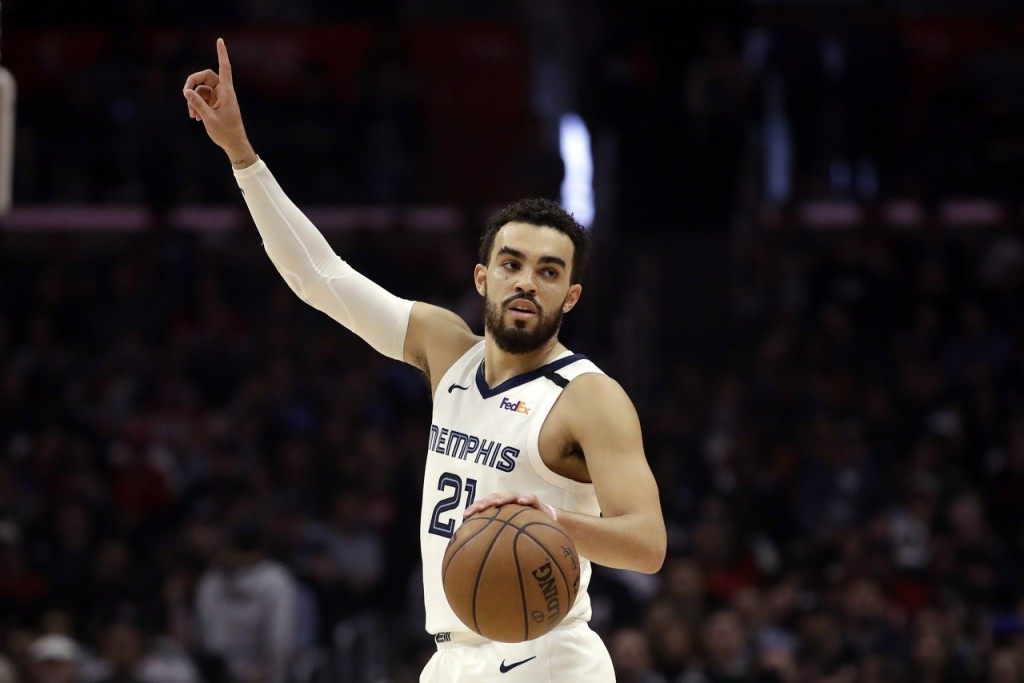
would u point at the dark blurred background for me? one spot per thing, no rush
(809, 275)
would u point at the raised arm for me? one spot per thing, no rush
(423, 335)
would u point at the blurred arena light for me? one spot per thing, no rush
(7, 98)
(578, 182)
(8, 92)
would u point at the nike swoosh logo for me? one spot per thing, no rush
(457, 386)
(505, 668)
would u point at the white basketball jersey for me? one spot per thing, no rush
(484, 441)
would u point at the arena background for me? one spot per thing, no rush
(809, 276)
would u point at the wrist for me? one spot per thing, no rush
(242, 158)
(240, 162)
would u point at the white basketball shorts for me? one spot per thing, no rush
(572, 652)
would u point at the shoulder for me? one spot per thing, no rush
(594, 385)
(594, 397)
(436, 338)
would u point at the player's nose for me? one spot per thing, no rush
(526, 282)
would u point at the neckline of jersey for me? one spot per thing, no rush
(518, 380)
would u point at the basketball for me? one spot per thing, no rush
(511, 573)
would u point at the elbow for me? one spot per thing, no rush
(310, 286)
(309, 283)
(650, 558)
(295, 281)
(653, 559)
(658, 549)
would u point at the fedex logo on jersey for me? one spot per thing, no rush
(517, 407)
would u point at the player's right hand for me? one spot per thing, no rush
(496, 500)
(211, 99)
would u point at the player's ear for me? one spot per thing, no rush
(572, 297)
(480, 279)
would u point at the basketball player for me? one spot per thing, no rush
(517, 416)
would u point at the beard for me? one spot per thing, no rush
(517, 338)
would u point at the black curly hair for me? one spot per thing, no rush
(539, 212)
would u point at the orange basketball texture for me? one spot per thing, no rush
(511, 573)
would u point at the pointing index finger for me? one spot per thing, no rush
(224, 64)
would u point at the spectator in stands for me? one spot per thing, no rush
(55, 658)
(352, 563)
(674, 645)
(246, 603)
(631, 657)
(22, 587)
(1005, 666)
(727, 649)
(823, 653)
(129, 655)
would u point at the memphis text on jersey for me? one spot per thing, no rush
(482, 451)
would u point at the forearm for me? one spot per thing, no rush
(291, 240)
(631, 541)
(314, 272)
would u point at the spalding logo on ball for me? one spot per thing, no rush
(511, 573)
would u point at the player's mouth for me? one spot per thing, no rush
(521, 309)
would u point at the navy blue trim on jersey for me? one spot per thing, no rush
(519, 380)
(557, 379)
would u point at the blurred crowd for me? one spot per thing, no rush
(844, 488)
(195, 458)
(204, 481)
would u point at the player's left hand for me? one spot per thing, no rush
(495, 500)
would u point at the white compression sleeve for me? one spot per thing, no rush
(318, 275)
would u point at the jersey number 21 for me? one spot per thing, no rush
(452, 482)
